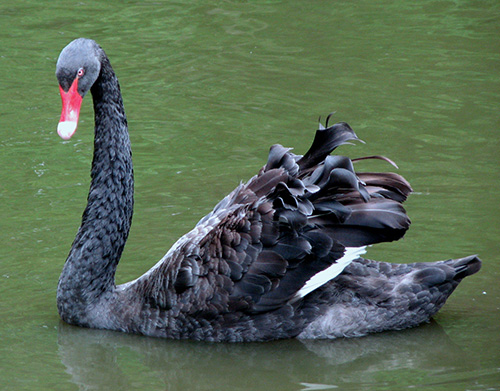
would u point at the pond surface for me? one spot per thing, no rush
(208, 87)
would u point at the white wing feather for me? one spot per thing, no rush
(321, 278)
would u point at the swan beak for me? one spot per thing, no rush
(71, 103)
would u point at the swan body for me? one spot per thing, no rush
(279, 257)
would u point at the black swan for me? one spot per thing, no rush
(279, 257)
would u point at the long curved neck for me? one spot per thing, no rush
(91, 264)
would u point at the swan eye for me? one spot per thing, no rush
(80, 72)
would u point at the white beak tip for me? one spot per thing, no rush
(66, 129)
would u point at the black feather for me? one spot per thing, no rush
(325, 141)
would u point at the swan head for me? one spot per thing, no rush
(77, 69)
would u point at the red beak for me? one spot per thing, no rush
(71, 103)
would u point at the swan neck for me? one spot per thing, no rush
(89, 271)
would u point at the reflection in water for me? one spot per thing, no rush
(108, 360)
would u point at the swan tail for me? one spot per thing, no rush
(387, 296)
(465, 267)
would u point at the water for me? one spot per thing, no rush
(208, 87)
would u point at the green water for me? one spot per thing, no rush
(208, 87)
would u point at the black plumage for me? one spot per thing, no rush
(241, 274)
